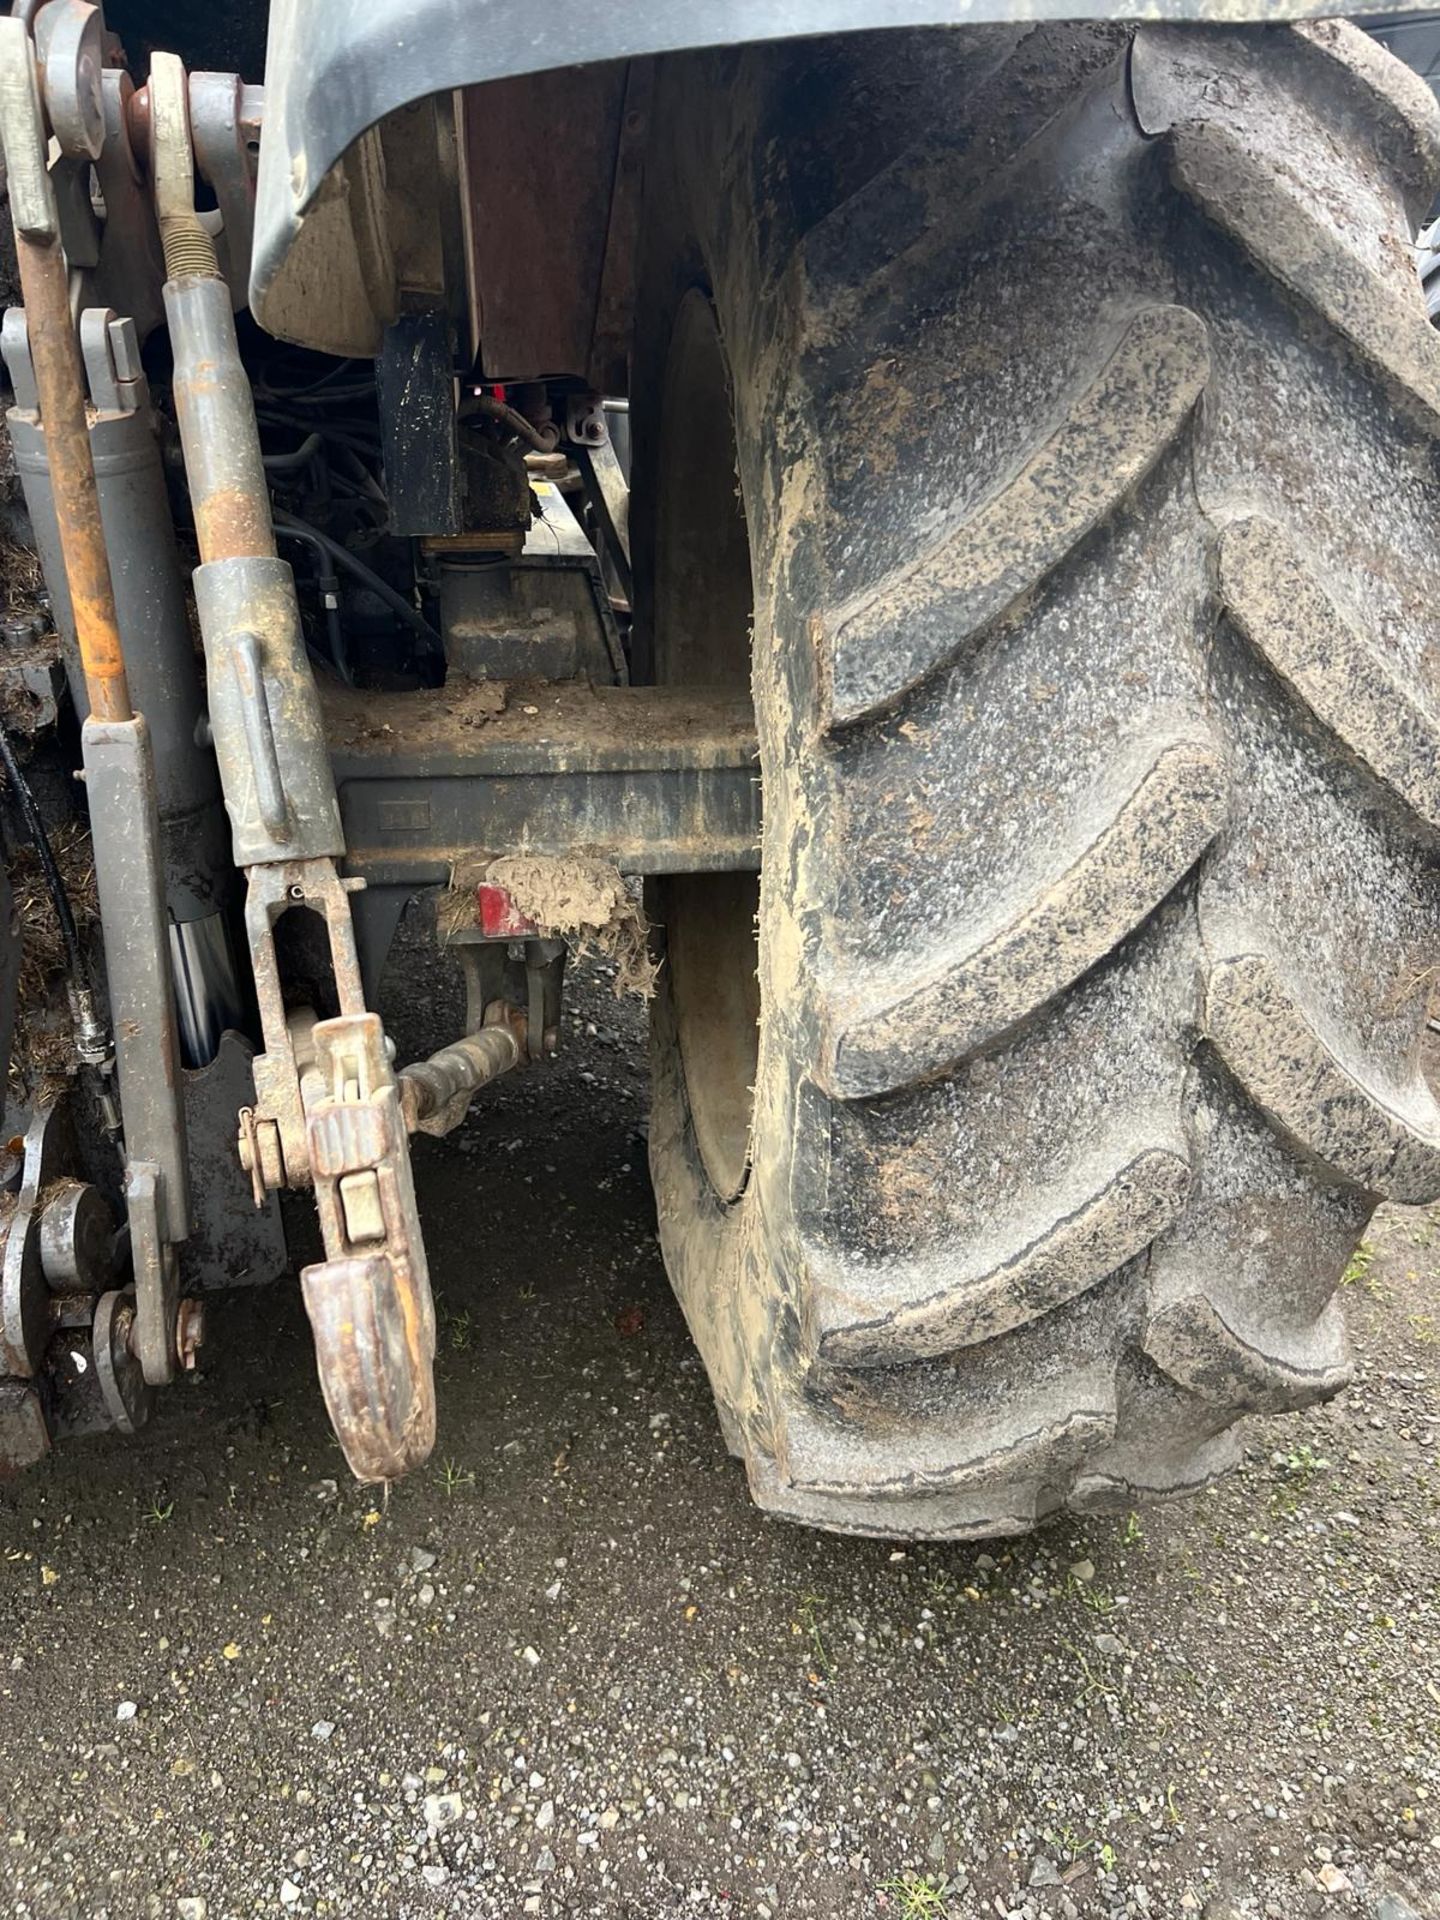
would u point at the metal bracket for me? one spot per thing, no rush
(585, 419)
(511, 981)
(278, 1116)
(328, 1114)
(24, 1301)
(608, 494)
(369, 1301)
(124, 1389)
(69, 36)
(120, 785)
(157, 1274)
(22, 124)
(111, 352)
(58, 1248)
(131, 266)
(225, 119)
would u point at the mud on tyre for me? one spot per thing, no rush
(1083, 409)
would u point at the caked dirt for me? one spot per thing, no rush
(568, 1669)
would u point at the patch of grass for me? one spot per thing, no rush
(918, 1896)
(1361, 1261)
(1301, 1468)
(1067, 1841)
(452, 1477)
(811, 1606)
(1358, 1272)
(1302, 1463)
(1064, 1840)
(1093, 1683)
(1093, 1597)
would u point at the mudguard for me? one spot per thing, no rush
(321, 269)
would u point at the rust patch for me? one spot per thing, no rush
(230, 525)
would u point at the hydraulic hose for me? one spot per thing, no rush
(329, 588)
(298, 529)
(301, 456)
(91, 1039)
(40, 840)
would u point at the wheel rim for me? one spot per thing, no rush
(703, 603)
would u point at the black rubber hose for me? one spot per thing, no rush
(328, 588)
(330, 434)
(266, 385)
(301, 456)
(40, 840)
(298, 529)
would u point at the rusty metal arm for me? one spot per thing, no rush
(328, 1110)
(59, 377)
(119, 768)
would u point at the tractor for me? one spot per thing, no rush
(899, 523)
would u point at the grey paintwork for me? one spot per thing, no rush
(671, 789)
(264, 716)
(120, 787)
(334, 71)
(149, 599)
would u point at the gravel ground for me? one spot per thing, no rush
(569, 1669)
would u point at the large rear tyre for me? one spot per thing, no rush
(1085, 456)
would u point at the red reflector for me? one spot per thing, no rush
(499, 917)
